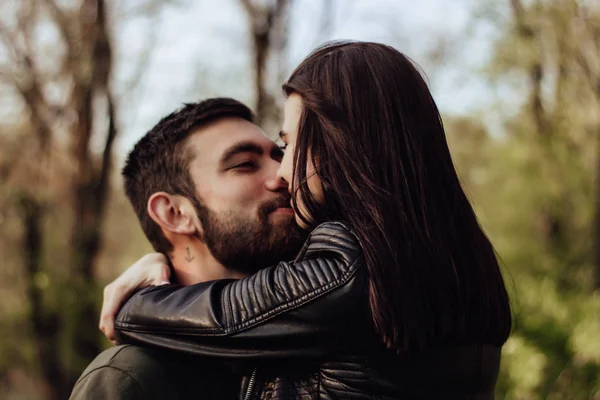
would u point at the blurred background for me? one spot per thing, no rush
(517, 82)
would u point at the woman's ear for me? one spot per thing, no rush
(174, 213)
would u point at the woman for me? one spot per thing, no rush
(403, 299)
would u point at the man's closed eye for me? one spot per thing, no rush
(245, 166)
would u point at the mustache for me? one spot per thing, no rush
(272, 205)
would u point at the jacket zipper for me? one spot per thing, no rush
(251, 383)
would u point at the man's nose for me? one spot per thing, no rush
(276, 183)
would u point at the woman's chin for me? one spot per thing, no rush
(301, 223)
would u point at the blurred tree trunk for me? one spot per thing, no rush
(552, 221)
(44, 323)
(594, 80)
(90, 180)
(269, 37)
(596, 235)
(84, 72)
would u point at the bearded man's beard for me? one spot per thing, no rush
(247, 244)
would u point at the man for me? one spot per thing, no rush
(203, 185)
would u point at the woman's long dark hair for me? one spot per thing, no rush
(374, 134)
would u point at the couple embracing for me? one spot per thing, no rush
(346, 263)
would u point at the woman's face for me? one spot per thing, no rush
(289, 135)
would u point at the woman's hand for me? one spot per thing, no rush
(150, 270)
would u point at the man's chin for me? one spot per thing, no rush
(245, 245)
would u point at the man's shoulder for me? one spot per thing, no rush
(130, 371)
(133, 360)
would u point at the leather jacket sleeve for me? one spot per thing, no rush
(296, 309)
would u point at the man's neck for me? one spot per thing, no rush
(193, 263)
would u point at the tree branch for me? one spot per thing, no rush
(31, 90)
(250, 9)
(62, 22)
(148, 8)
(106, 167)
(143, 60)
(10, 41)
(536, 70)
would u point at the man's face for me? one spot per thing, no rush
(243, 207)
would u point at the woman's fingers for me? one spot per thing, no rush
(160, 274)
(115, 295)
(150, 270)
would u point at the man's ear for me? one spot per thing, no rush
(174, 213)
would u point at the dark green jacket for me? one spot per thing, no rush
(132, 372)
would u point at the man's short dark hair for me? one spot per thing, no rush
(159, 161)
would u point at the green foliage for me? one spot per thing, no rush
(533, 189)
(550, 153)
(554, 348)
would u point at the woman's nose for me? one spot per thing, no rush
(284, 172)
(276, 182)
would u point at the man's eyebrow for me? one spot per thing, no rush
(241, 147)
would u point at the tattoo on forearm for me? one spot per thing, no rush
(189, 257)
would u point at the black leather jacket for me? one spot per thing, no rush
(304, 330)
